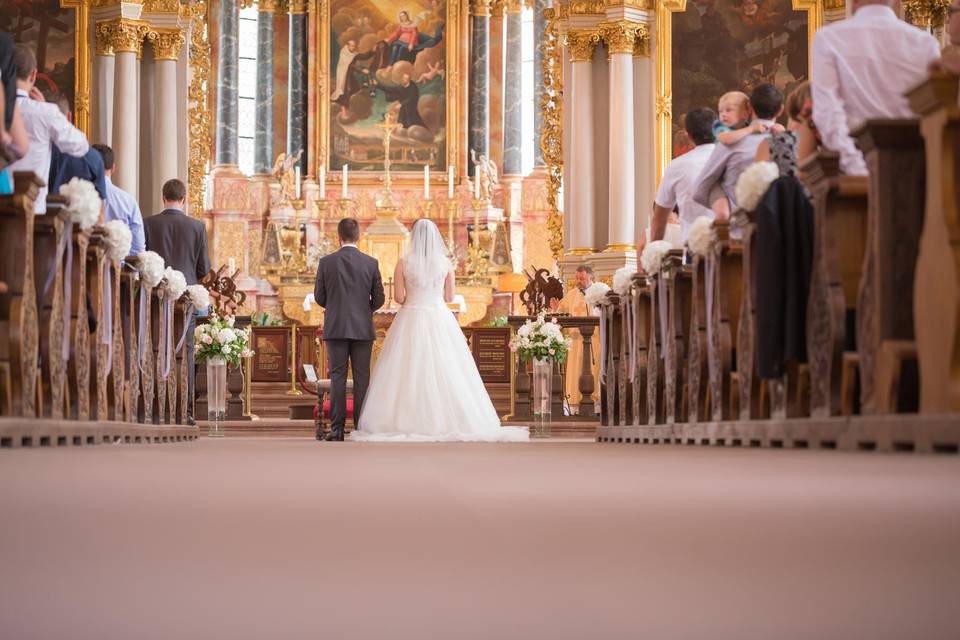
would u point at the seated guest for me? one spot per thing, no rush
(790, 147)
(574, 304)
(120, 205)
(676, 185)
(64, 167)
(861, 67)
(14, 142)
(726, 163)
(949, 61)
(44, 124)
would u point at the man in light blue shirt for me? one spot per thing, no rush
(120, 205)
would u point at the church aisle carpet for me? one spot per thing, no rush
(289, 538)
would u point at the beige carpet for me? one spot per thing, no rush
(289, 538)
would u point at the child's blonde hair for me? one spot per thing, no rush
(740, 97)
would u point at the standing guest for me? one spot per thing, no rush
(800, 127)
(89, 167)
(182, 243)
(575, 304)
(14, 142)
(727, 162)
(44, 124)
(676, 186)
(120, 205)
(861, 68)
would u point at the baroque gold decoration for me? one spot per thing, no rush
(582, 43)
(480, 7)
(161, 6)
(267, 6)
(551, 137)
(166, 43)
(103, 42)
(199, 113)
(123, 34)
(586, 7)
(624, 36)
(297, 7)
(926, 14)
(81, 52)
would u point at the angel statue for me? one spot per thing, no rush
(284, 170)
(486, 173)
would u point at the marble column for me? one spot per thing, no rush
(581, 185)
(228, 64)
(104, 72)
(513, 93)
(167, 44)
(297, 83)
(263, 136)
(479, 79)
(539, 37)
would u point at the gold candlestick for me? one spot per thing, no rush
(293, 390)
(453, 214)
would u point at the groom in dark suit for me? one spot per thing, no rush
(350, 289)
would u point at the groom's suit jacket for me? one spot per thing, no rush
(350, 289)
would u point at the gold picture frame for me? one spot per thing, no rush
(664, 89)
(455, 97)
(81, 80)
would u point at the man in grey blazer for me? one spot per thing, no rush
(350, 289)
(182, 243)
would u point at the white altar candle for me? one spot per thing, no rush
(449, 182)
(298, 182)
(231, 266)
(323, 182)
(476, 183)
(426, 182)
(343, 187)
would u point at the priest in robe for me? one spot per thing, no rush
(408, 95)
(574, 304)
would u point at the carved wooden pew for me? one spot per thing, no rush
(678, 280)
(179, 381)
(146, 309)
(129, 303)
(698, 403)
(613, 334)
(625, 389)
(936, 302)
(96, 294)
(78, 366)
(840, 209)
(752, 400)
(723, 275)
(885, 339)
(19, 326)
(118, 359)
(656, 409)
(640, 299)
(159, 331)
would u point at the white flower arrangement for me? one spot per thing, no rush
(83, 202)
(199, 296)
(622, 279)
(754, 182)
(653, 254)
(541, 340)
(219, 339)
(118, 239)
(151, 268)
(596, 293)
(176, 283)
(698, 238)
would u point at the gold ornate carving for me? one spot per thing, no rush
(199, 113)
(624, 36)
(113, 3)
(480, 7)
(123, 34)
(833, 5)
(296, 7)
(81, 51)
(664, 106)
(586, 7)
(926, 14)
(161, 6)
(103, 43)
(166, 43)
(551, 137)
(629, 4)
(267, 6)
(582, 43)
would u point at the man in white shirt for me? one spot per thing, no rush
(44, 123)
(861, 67)
(119, 204)
(727, 162)
(676, 185)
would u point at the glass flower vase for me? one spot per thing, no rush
(541, 397)
(216, 396)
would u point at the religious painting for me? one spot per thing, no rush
(51, 31)
(386, 62)
(734, 45)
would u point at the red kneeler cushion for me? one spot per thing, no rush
(326, 409)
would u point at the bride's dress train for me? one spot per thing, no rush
(425, 386)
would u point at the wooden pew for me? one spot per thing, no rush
(840, 209)
(678, 280)
(78, 366)
(724, 266)
(640, 299)
(885, 333)
(182, 316)
(19, 317)
(613, 333)
(129, 301)
(159, 320)
(936, 302)
(118, 362)
(95, 268)
(698, 403)
(752, 400)
(656, 377)
(146, 308)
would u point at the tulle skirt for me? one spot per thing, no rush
(425, 386)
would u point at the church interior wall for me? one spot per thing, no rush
(644, 136)
(149, 200)
(498, 43)
(601, 148)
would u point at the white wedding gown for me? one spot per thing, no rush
(425, 386)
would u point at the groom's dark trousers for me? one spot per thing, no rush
(349, 288)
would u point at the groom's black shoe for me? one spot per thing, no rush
(335, 437)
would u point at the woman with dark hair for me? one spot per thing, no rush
(13, 135)
(791, 147)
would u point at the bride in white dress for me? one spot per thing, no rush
(425, 386)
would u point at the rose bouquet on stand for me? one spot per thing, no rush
(542, 342)
(219, 344)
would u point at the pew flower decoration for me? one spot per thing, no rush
(754, 182)
(541, 340)
(151, 268)
(622, 279)
(118, 239)
(699, 237)
(596, 294)
(199, 297)
(653, 254)
(219, 339)
(176, 283)
(83, 202)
